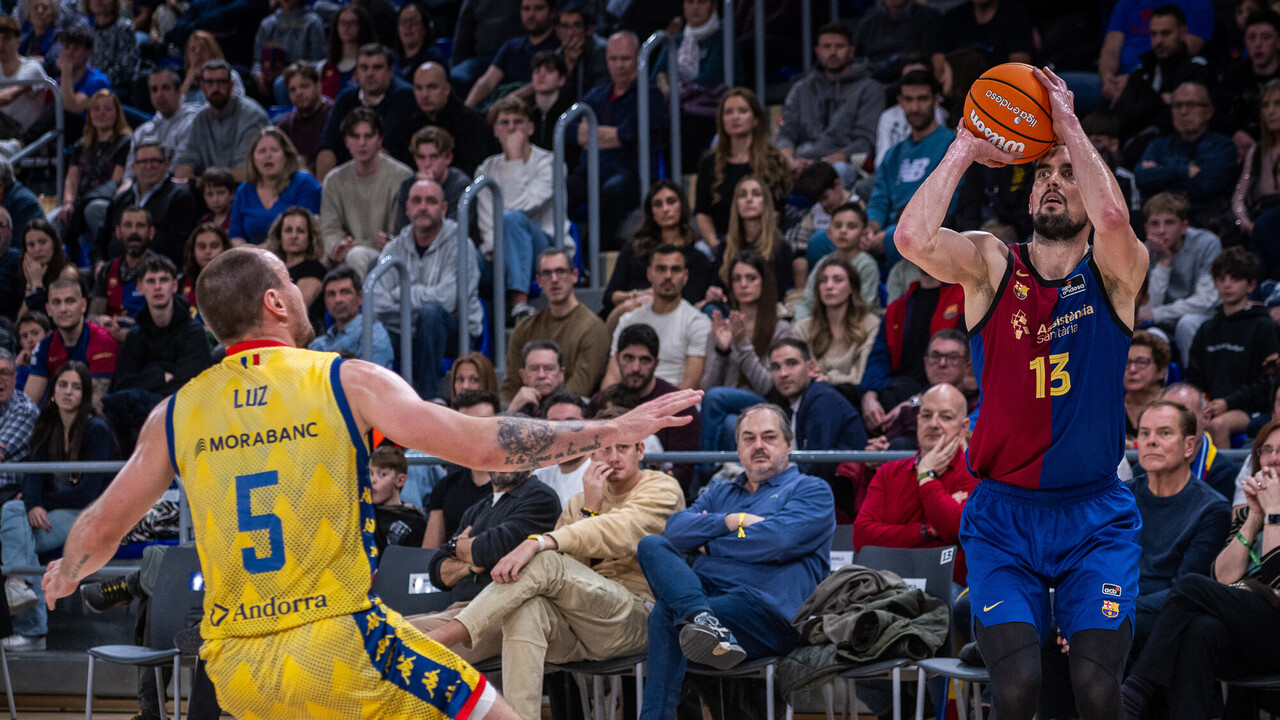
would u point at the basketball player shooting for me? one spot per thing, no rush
(270, 446)
(1050, 323)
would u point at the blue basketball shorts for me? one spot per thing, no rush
(1081, 541)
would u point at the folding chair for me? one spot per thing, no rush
(1255, 682)
(934, 567)
(597, 670)
(761, 668)
(179, 587)
(404, 584)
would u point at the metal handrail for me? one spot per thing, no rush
(385, 264)
(726, 24)
(759, 42)
(806, 36)
(57, 135)
(499, 270)
(642, 109)
(559, 176)
(694, 456)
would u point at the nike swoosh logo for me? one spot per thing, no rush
(989, 608)
(1019, 273)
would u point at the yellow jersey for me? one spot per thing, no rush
(277, 475)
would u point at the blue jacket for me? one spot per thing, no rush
(779, 560)
(902, 171)
(826, 420)
(23, 207)
(623, 112)
(1212, 152)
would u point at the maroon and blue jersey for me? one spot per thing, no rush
(1049, 357)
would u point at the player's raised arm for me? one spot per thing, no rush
(380, 398)
(95, 536)
(945, 254)
(1121, 257)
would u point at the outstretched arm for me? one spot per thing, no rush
(96, 535)
(1121, 258)
(952, 257)
(380, 398)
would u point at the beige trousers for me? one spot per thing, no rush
(558, 611)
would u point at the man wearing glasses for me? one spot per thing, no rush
(1192, 160)
(946, 362)
(222, 132)
(580, 333)
(172, 209)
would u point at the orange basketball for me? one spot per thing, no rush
(1010, 108)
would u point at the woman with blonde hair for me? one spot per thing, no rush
(742, 148)
(841, 329)
(753, 225)
(294, 237)
(97, 166)
(273, 182)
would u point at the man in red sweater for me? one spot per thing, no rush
(917, 502)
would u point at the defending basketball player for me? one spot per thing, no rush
(1050, 324)
(270, 445)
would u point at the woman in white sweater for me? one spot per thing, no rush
(842, 328)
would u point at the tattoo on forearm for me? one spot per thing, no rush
(528, 442)
(75, 571)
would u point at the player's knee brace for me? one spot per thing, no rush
(1012, 654)
(1097, 664)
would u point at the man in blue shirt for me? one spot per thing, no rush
(342, 295)
(1184, 521)
(905, 166)
(617, 109)
(514, 61)
(77, 82)
(763, 542)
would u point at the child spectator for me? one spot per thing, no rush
(32, 327)
(218, 186)
(844, 238)
(205, 243)
(397, 523)
(1230, 348)
(819, 185)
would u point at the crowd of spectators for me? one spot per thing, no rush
(339, 134)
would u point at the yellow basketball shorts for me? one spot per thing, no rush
(370, 664)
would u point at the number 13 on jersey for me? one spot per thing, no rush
(1058, 381)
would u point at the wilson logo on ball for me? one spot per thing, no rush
(995, 138)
